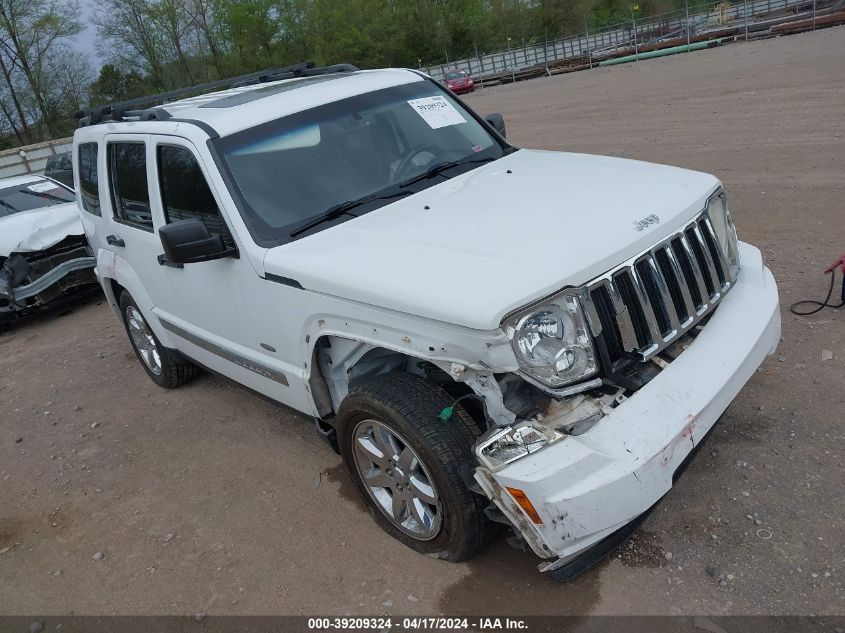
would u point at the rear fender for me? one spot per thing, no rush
(126, 278)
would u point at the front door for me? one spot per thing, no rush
(209, 308)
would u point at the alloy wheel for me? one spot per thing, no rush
(396, 479)
(143, 339)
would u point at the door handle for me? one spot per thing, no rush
(114, 240)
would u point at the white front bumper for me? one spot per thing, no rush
(588, 486)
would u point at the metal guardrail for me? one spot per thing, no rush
(619, 37)
(31, 159)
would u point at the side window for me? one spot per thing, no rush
(185, 193)
(88, 187)
(128, 175)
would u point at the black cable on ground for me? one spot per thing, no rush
(821, 305)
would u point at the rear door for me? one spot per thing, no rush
(129, 225)
(90, 164)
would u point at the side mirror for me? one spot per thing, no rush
(498, 122)
(188, 242)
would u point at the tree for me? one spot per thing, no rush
(33, 46)
(114, 85)
(251, 28)
(174, 20)
(204, 17)
(129, 38)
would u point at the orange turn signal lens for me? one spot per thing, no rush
(525, 503)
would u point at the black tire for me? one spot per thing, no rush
(175, 369)
(6, 320)
(409, 405)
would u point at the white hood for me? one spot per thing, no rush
(37, 229)
(497, 237)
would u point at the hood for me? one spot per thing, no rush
(472, 249)
(35, 230)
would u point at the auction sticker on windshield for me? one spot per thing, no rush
(437, 111)
(41, 187)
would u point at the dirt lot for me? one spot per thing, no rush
(209, 499)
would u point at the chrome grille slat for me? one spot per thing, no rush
(723, 261)
(654, 332)
(686, 295)
(623, 316)
(711, 267)
(651, 300)
(665, 295)
(696, 273)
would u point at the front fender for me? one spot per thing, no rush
(429, 341)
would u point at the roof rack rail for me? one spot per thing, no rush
(144, 108)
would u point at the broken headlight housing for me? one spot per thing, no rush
(500, 447)
(723, 227)
(552, 344)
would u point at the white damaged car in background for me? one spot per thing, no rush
(44, 255)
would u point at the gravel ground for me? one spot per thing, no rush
(118, 497)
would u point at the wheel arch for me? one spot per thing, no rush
(338, 362)
(113, 289)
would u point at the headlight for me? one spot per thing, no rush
(504, 446)
(723, 226)
(551, 342)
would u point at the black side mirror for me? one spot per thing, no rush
(498, 122)
(188, 242)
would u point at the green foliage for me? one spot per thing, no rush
(113, 85)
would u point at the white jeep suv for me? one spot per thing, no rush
(489, 335)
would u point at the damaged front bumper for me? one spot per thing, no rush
(588, 488)
(31, 280)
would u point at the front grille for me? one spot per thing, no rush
(648, 302)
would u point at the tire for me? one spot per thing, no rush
(408, 406)
(165, 367)
(6, 320)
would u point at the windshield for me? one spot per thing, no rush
(456, 75)
(289, 171)
(32, 195)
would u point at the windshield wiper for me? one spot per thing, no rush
(440, 168)
(341, 208)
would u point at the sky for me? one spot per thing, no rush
(85, 41)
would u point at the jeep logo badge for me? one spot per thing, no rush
(647, 221)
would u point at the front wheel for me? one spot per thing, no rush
(406, 464)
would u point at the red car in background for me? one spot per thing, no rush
(459, 82)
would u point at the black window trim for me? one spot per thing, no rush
(159, 144)
(113, 192)
(243, 206)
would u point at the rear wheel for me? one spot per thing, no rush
(6, 320)
(166, 367)
(406, 465)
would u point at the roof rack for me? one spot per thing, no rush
(144, 108)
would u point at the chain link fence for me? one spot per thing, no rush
(696, 21)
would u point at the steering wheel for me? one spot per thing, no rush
(406, 161)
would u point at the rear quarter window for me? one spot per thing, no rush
(89, 188)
